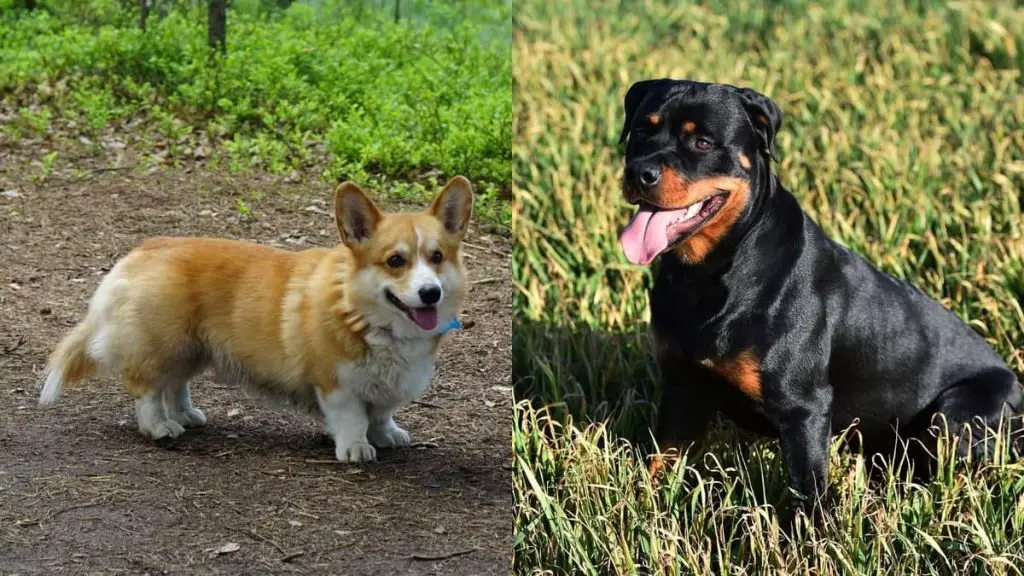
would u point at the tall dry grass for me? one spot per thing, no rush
(902, 137)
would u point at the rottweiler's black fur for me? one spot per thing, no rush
(757, 314)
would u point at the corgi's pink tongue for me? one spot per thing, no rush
(425, 318)
(646, 235)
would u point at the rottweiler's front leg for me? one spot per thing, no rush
(684, 411)
(804, 435)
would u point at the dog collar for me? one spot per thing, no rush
(453, 325)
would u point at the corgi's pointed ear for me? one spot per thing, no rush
(454, 205)
(355, 214)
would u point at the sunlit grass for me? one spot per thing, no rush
(584, 503)
(902, 137)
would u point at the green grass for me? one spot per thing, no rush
(902, 137)
(337, 87)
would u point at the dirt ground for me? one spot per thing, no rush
(256, 491)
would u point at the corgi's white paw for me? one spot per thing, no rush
(388, 435)
(180, 418)
(195, 417)
(163, 429)
(354, 452)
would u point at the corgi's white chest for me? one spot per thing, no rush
(393, 372)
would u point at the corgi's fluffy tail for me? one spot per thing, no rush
(84, 349)
(70, 362)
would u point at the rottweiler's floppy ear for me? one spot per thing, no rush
(766, 117)
(636, 95)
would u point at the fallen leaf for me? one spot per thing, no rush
(227, 548)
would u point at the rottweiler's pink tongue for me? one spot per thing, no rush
(646, 235)
(425, 318)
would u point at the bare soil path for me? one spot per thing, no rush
(256, 491)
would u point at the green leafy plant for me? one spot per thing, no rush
(46, 164)
(37, 120)
(244, 209)
(336, 86)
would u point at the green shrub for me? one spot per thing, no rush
(396, 100)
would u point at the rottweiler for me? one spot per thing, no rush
(758, 315)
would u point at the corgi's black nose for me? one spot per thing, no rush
(429, 295)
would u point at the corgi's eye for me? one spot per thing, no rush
(396, 261)
(436, 257)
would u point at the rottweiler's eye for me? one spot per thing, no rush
(436, 257)
(702, 144)
(396, 261)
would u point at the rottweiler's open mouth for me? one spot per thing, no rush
(425, 317)
(653, 230)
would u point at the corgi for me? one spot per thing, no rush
(351, 333)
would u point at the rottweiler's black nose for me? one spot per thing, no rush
(644, 174)
(650, 176)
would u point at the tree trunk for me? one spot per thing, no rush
(217, 33)
(398, 10)
(143, 12)
(30, 5)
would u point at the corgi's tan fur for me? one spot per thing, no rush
(351, 332)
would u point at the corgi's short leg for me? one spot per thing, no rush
(178, 404)
(346, 420)
(153, 419)
(384, 432)
(177, 399)
(195, 415)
